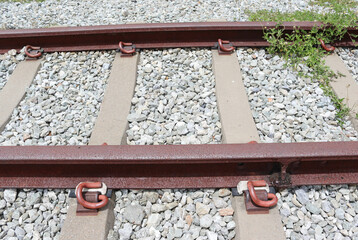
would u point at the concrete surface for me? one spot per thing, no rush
(88, 227)
(111, 124)
(15, 89)
(345, 86)
(256, 226)
(238, 125)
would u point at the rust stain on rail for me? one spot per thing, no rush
(180, 166)
(155, 35)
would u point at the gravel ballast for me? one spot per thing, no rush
(286, 107)
(173, 214)
(32, 214)
(52, 13)
(350, 57)
(320, 212)
(174, 100)
(62, 103)
(8, 62)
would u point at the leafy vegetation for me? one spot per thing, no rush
(302, 47)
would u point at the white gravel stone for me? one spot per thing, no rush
(52, 13)
(286, 107)
(174, 100)
(60, 108)
(180, 222)
(10, 195)
(329, 210)
(349, 57)
(246, 6)
(42, 219)
(8, 62)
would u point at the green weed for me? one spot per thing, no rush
(302, 47)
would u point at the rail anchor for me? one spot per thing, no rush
(126, 49)
(91, 196)
(33, 52)
(326, 47)
(258, 199)
(224, 47)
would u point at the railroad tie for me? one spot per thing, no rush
(238, 126)
(15, 89)
(111, 123)
(344, 87)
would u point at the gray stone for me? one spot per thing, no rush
(33, 198)
(10, 195)
(156, 208)
(153, 220)
(313, 208)
(224, 192)
(136, 117)
(219, 202)
(211, 235)
(201, 209)
(125, 232)
(206, 221)
(2, 203)
(326, 206)
(231, 225)
(134, 214)
(339, 213)
(302, 196)
(20, 233)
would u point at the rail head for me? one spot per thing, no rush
(149, 35)
(180, 154)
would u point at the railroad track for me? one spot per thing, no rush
(239, 157)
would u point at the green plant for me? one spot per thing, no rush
(301, 47)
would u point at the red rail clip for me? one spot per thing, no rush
(122, 47)
(33, 52)
(327, 48)
(225, 49)
(261, 183)
(92, 186)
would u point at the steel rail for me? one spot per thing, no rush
(179, 166)
(154, 35)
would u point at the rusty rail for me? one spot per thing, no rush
(156, 35)
(179, 166)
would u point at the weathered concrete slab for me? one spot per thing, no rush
(88, 227)
(256, 226)
(345, 86)
(15, 89)
(111, 124)
(238, 126)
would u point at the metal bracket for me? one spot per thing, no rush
(251, 207)
(90, 197)
(72, 193)
(280, 182)
(282, 179)
(224, 47)
(257, 195)
(33, 53)
(242, 187)
(126, 49)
